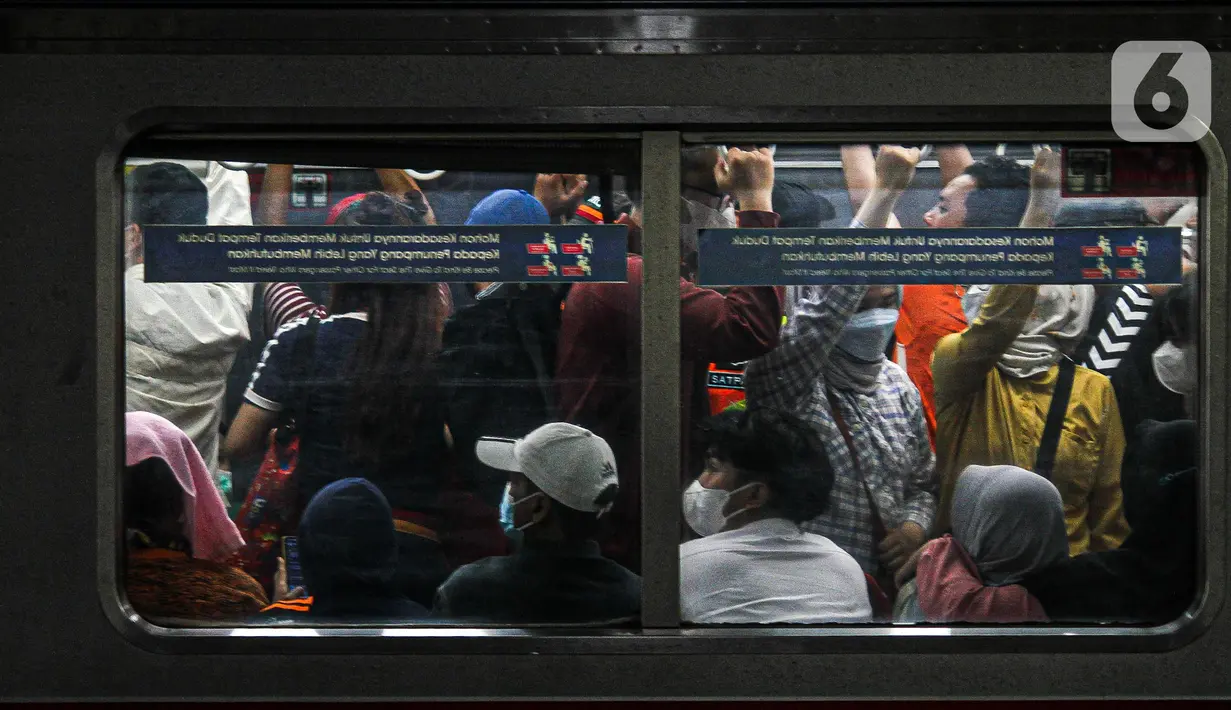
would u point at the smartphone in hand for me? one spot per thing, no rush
(290, 553)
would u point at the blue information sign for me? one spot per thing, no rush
(541, 253)
(780, 257)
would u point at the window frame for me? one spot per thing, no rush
(660, 631)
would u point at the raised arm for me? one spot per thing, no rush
(790, 371)
(859, 171)
(895, 168)
(963, 360)
(275, 199)
(560, 194)
(953, 160)
(399, 183)
(742, 323)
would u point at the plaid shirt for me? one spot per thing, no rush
(895, 467)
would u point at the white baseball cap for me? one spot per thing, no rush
(569, 464)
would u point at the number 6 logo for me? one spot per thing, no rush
(1160, 92)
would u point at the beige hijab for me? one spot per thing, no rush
(1057, 324)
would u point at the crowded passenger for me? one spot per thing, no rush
(830, 370)
(989, 193)
(284, 302)
(498, 357)
(997, 383)
(764, 476)
(348, 554)
(359, 387)
(1126, 326)
(1008, 523)
(599, 359)
(497, 365)
(178, 539)
(180, 339)
(1152, 577)
(562, 479)
(435, 468)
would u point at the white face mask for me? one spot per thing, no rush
(703, 508)
(1176, 367)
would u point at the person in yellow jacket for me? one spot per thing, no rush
(994, 385)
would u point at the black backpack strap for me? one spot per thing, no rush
(1045, 460)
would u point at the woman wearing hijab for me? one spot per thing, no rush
(1152, 577)
(178, 539)
(348, 551)
(994, 387)
(1007, 524)
(831, 372)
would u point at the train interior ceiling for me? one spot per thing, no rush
(453, 193)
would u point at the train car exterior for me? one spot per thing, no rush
(491, 89)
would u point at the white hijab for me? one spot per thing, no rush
(1058, 322)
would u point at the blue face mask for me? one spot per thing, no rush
(506, 512)
(867, 334)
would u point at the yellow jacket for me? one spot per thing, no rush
(984, 417)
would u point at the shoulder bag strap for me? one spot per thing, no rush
(878, 526)
(1045, 460)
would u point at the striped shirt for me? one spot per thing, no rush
(285, 302)
(894, 468)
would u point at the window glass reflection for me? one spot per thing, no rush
(985, 451)
(313, 453)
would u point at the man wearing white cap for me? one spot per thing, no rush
(562, 478)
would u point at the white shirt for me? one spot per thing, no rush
(180, 341)
(770, 572)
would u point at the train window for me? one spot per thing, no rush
(945, 384)
(362, 396)
(932, 384)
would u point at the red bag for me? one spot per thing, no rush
(270, 509)
(271, 506)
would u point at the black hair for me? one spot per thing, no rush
(1002, 189)
(394, 359)
(776, 449)
(697, 167)
(153, 502)
(799, 206)
(166, 193)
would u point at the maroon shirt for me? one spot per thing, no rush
(598, 370)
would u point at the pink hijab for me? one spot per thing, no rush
(210, 532)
